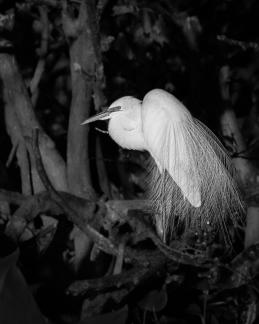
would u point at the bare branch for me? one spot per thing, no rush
(82, 62)
(244, 46)
(16, 99)
(103, 243)
(42, 54)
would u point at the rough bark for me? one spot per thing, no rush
(85, 62)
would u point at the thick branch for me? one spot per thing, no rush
(15, 95)
(82, 55)
(85, 59)
(156, 266)
(102, 242)
(32, 206)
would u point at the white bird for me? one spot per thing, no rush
(192, 180)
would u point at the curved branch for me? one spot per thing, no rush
(103, 243)
(16, 98)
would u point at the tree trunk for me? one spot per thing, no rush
(86, 69)
(85, 62)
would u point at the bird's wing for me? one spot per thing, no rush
(165, 124)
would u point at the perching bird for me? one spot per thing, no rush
(192, 180)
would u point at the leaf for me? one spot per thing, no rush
(16, 302)
(155, 300)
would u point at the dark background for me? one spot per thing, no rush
(61, 61)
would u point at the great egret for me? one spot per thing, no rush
(192, 181)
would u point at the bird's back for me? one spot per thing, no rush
(190, 158)
(159, 99)
(163, 119)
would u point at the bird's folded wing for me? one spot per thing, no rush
(166, 142)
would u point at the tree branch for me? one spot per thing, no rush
(16, 97)
(34, 84)
(103, 243)
(85, 57)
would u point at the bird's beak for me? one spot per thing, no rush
(106, 114)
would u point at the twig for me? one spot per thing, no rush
(242, 44)
(11, 155)
(42, 54)
(103, 243)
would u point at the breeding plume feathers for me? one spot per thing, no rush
(218, 198)
(191, 179)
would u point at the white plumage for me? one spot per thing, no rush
(192, 180)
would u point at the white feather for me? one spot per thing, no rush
(167, 143)
(192, 179)
(194, 166)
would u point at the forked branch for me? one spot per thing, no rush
(103, 243)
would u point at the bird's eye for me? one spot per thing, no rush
(114, 109)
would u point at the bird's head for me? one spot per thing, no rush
(125, 122)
